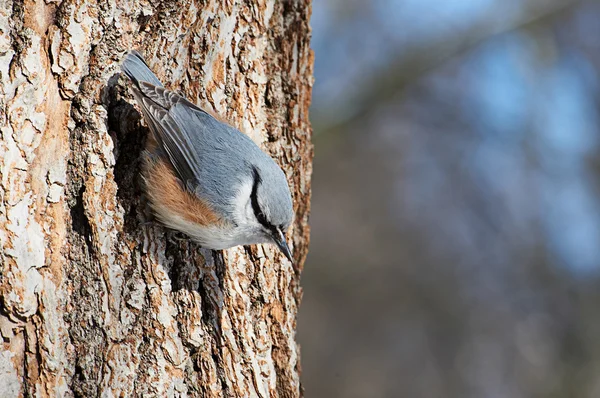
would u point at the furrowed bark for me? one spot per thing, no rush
(94, 299)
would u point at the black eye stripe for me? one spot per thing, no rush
(260, 216)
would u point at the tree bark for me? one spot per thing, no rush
(95, 299)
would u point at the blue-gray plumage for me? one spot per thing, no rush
(219, 170)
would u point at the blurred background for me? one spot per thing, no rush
(455, 247)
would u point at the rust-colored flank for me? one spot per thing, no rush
(166, 190)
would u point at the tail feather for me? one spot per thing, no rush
(137, 70)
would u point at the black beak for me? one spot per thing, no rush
(279, 240)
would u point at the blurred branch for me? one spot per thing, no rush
(412, 66)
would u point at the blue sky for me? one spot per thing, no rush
(514, 96)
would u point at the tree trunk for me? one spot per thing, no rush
(95, 298)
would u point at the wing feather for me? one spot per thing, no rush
(157, 103)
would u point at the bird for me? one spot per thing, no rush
(202, 176)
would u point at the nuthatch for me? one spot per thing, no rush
(204, 177)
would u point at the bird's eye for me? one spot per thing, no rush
(260, 216)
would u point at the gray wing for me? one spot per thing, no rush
(157, 104)
(136, 68)
(212, 158)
